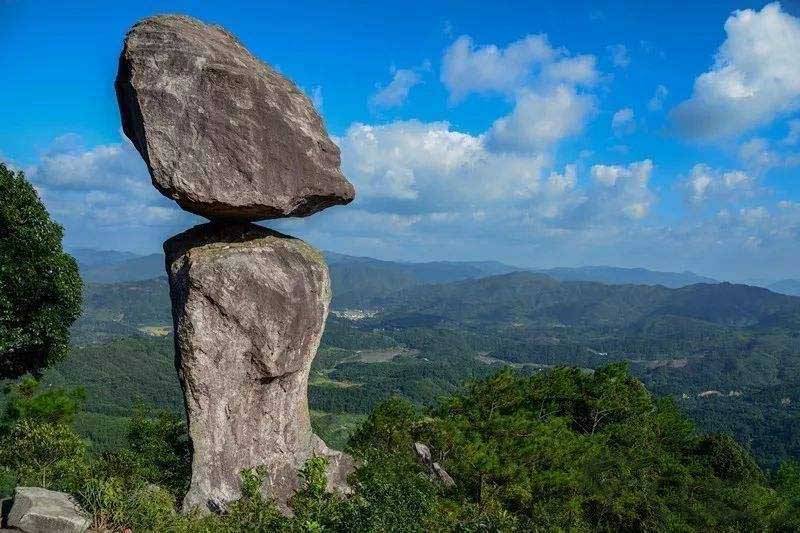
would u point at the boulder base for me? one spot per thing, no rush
(222, 133)
(249, 307)
(37, 510)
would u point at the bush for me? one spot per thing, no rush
(26, 401)
(160, 446)
(113, 503)
(45, 455)
(40, 288)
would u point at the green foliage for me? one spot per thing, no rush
(787, 482)
(114, 504)
(27, 401)
(392, 493)
(576, 450)
(40, 289)
(45, 455)
(562, 450)
(161, 448)
(121, 374)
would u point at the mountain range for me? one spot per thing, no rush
(729, 353)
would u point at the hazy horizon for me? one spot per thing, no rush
(75, 249)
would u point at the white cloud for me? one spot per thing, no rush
(106, 185)
(657, 101)
(67, 164)
(752, 216)
(760, 155)
(705, 184)
(624, 189)
(539, 121)
(543, 81)
(490, 69)
(623, 122)
(757, 155)
(755, 76)
(619, 55)
(577, 70)
(433, 166)
(396, 92)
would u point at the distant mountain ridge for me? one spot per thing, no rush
(136, 268)
(90, 257)
(622, 276)
(527, 298)
(359, 279)
(786, 286)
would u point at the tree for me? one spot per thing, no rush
(40, 287)
(45, 455)
(27, 400)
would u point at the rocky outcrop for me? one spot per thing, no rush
(249, 307)
(437, 473)
(222, 133)
(37, 510)
(231, 139)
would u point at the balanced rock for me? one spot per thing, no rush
(222, 133)
(38, 510)
(249, 307)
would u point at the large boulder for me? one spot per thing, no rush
(249, 307)
(222, 133)
(37, 510)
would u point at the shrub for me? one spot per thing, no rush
(45, 455)
(114, 504)
(26, 401)
(160, 447)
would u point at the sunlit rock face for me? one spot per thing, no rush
(222, 133)
(249, 308)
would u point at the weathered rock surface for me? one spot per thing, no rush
(249, 306)
(435, 470)
(38, 510)
(222, 133)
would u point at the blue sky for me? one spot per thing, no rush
(662, 136)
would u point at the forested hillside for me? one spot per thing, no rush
(729, 354)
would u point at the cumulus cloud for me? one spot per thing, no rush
(424, 185)
(544, 82)
(756, 154)
(102, 194)
(539, 121)
(657, 101)
(622, 122)
(618, 53)
(396, 91)
(467, 68)
(68, 165)
(760, 155)
(624, 189)
(755, 77)
(704, 184)
(434, 167)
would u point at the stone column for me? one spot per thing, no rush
(249, 308)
